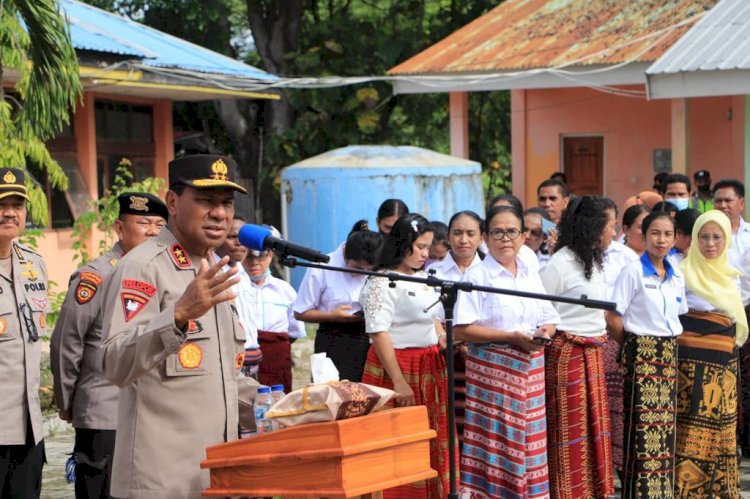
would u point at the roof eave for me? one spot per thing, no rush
(699, 84)
(574, 76)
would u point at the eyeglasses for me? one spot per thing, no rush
(536, 233)
(499, 234)
(707, 238)
(29, 320)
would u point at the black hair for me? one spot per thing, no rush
(666, 207)
(399, 243)
(469, 214)
(178, 188)
(240, 217)
(559, 176)
(581, 227)
(440, 230)
(685, 220)
(739, 187)
(552, 182)
(656, 215)
(508, 198)
(537, 211)
(359, 225)
(628, 218)
(363, 244)
(676, 178)
(391, 207)
(659, 181)
(504, 209)
(611, 205)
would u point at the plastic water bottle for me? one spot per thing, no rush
(262, 403)
(277, 393)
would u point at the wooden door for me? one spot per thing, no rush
(584, 164)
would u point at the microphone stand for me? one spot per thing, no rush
(448, 296)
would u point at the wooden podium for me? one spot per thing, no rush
(346, 458)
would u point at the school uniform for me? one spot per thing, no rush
(650, 308)
(345, 343)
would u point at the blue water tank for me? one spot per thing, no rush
(322, 197)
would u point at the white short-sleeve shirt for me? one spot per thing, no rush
(616, 257)
(400, 311)
(648, 305)
(326, 290)
(504, 312)
(564, 276)
(448, 270)
(270, 307)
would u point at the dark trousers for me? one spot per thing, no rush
(21, 468)
(94, 451)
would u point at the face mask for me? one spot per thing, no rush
(681, 204)
(704, 188)
(260, 277)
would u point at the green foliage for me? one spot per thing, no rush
(35, 43)
(104, 211)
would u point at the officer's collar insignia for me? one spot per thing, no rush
(113, 261)
(9, 178)
(220, 170)
(194, 326)
(132, 304)
(19, 254)
(190, 356)
(180, 256)
(139, 203)
(29, 273)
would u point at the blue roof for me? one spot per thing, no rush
(100, 31)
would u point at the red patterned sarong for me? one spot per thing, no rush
(424, 370)
(276, 364)
(579, 445)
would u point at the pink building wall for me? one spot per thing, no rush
(632, 128)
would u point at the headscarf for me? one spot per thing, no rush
(716, 280)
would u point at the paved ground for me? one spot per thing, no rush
(60, 444)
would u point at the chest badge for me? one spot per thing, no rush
(132, 304)
(190, 356)
(239, 360)
(29, 273)
(194, 326)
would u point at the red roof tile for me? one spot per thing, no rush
(526, 34)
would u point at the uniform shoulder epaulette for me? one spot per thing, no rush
(144, 252)
(20, 248)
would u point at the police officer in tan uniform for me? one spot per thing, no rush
(175, 345)
(82, 395)
(23, 320)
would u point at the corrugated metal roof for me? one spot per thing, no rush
(721, 40)
(100, 31)
(526, 34)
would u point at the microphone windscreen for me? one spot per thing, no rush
(253, 236)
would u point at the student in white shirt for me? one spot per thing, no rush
(270, 301)
(505, 451)
(525, 253)
(577, 415)
(707, 396)
(650, 296)
(406, 339)
(465, 230)
(331, 299)
(389, 211)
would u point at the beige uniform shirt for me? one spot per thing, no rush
(178, 392)
(80, 386)
(23, 308)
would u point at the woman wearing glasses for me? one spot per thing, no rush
(580, 450)
(505, 438)
(706, 463)
(650, 295)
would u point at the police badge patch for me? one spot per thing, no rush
(132, 304)
(88, 284)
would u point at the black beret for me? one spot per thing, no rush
(142, 203)
(205, 171)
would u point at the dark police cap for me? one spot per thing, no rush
(205, 171)
(12, 183)
(701, 174)
(142, 203)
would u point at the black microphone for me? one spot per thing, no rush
(260, 238)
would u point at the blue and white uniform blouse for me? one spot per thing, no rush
(648, 305)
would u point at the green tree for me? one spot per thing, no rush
(37, 55)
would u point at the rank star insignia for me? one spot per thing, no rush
(180, 257)
(132, 304)
(29, 273)
(190, 356)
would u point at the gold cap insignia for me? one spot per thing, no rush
(138, 203)
(220, 170)
(9, 178)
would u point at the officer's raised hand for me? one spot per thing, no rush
(210, 287)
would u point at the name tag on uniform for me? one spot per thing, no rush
(651, 286)
(411, 293)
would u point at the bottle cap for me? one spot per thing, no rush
(277, 388)
(264, 389)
